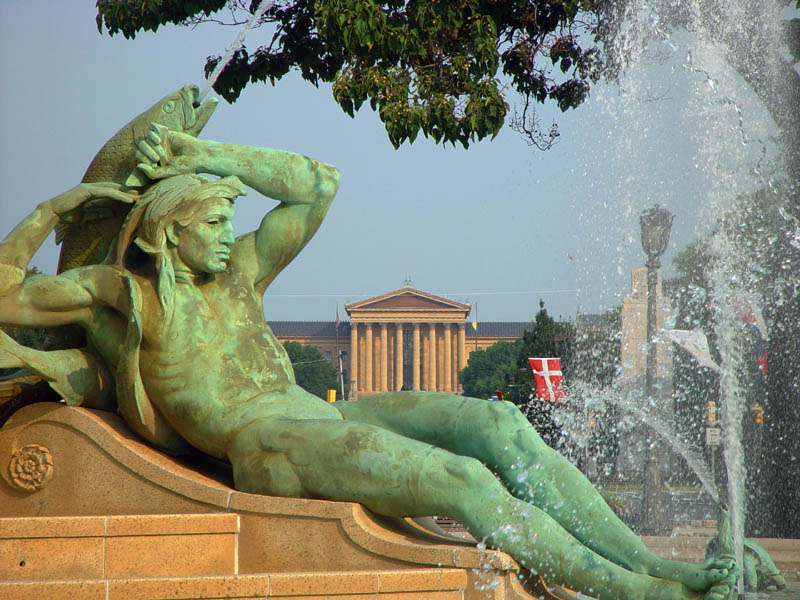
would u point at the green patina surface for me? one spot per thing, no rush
(176, 336)
(759, 571)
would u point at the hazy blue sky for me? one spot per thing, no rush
(500, 224)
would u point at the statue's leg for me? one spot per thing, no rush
(499, 435)
(398, 476)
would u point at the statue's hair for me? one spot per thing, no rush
(175, 200)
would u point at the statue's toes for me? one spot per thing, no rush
(721, 591)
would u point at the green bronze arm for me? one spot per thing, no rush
(304, 187)
(45, 300)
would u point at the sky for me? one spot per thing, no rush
(500, 225)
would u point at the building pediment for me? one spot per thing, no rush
(404, 300)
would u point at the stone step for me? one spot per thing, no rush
(420, 584)
(113, 547)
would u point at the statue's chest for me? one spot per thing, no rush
(214, 319)
(200, 321)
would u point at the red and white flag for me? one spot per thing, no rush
(549, 379)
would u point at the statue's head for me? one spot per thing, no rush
(185, 225)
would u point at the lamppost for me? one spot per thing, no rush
(655, 223)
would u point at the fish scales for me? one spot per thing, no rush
(88, 235)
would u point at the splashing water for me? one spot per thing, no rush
(732, 154)
(663, 425)
(237, 43)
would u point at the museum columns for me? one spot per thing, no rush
(353, 361)
(415, 350)
(384, 370)
(406, 339)
(398, 357)
(368, 343)
(431, 383)
(381, 362)
(462, 353)
(448, 359)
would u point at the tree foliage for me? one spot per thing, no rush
(492, 369)
(437, 67)
(504, 367)
(595, 358)
(313, 372)
(764, 227)
(591, 356)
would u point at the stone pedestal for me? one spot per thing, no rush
(89, 511)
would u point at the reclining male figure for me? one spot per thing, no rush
(191, 316)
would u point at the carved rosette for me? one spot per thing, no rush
(31, 468)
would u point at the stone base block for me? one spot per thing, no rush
(126, 521)
(117, 547)
(431, 584)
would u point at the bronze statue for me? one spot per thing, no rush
(176, 315)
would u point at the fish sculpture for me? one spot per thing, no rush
(759, 570)
(87, 236)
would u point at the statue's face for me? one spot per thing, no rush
(204, 245)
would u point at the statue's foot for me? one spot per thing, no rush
(712, 572)
(665, 589)
(720, 591)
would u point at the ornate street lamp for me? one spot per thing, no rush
(656, 223)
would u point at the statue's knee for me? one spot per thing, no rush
(464, 473)
(507, 416)
(260, 470)
(265, 472)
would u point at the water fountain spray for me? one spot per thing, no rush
(234, 47)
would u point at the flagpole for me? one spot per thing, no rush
(475, 326)
(339, 353)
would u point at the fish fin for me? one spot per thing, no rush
(61, 231)
(136, 179)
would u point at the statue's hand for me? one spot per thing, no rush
(84, 192)
(164, 152)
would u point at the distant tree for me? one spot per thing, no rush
(504, 367)
(490, 370)
(546, 338)
(432, 67)
(313, 372)
(690, 290)
(596, 355)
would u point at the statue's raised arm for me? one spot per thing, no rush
(304, 187)
(46, 300)
(78, 375)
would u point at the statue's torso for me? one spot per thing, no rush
(214, 355)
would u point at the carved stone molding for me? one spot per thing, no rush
(31, 468)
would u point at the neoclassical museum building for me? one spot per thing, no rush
(402, 340)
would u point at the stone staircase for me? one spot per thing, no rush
(176, 557)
